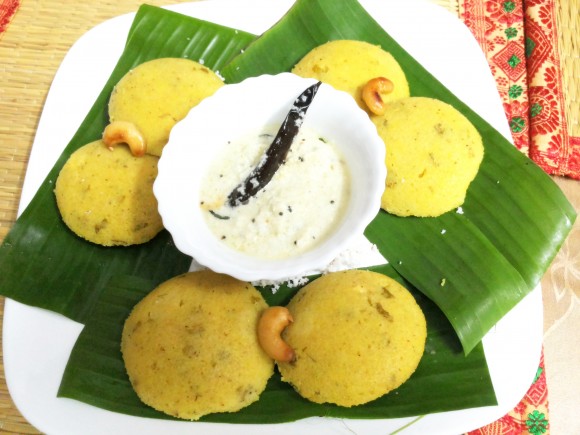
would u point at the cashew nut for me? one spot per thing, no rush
(371, 94)
(270, 327)
(125, 132)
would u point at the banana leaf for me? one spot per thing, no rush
(475, 263)
(42, 262)
(95, 373)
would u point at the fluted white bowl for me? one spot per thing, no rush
(234, 110)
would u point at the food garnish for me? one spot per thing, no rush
(371, 94)
(276, 153)
(272, 322)
(118, 132)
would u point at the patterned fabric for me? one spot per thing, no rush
(530, 416)
(498, 26)
(550, 144)
(7, 10)
(520, 41)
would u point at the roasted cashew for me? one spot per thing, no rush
(270, 327)
(125, 132)
(371, 94)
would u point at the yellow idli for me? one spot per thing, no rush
(106, 196)
(190, 347)
(157, 94)
(433, 153)
(356, 336)
(348, 65)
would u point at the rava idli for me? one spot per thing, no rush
(106, 196)
(190, 347)
(348, 65)
(155, 95)
(433, 152)
(356, 335)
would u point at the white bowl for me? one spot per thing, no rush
(236, 110)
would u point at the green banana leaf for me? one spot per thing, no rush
(42, 262)
(95, 373)
(514, 219)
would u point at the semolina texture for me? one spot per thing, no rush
(157, 94)
(433, 153)
(190, 347)
(106, 196)
(356, 334)
(348, 65)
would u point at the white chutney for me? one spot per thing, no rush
(298, 209)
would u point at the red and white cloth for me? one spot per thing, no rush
(7, 10)
(520, 41)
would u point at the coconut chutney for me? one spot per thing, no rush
(298, 209)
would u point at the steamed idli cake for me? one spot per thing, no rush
(106, 196)
(348, 65)
(190, 347)
(433, 154)
(356, 336)
(157, 94)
